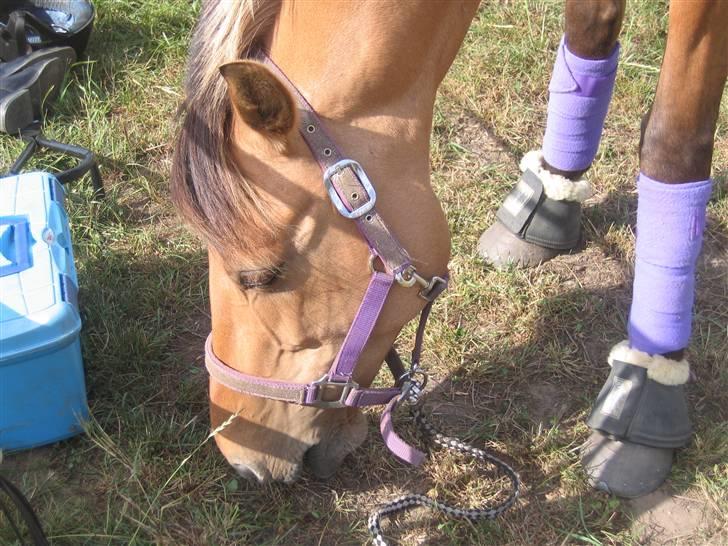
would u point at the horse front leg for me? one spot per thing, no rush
(541, 217)
(641, 414)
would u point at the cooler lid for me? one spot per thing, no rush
(38, 283)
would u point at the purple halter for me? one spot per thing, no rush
(354, 197)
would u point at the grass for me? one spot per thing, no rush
(518, 355)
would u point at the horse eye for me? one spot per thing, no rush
(259, 278)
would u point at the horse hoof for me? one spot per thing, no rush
(624, 469)
(501, 248)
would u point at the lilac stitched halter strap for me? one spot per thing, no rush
(354, 197)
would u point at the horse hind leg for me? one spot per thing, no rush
(541, 217)
(641, 414)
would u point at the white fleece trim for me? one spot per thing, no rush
(660, 369)
(556, 187)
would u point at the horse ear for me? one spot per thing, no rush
(260, 98)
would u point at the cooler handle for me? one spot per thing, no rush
(14, 244)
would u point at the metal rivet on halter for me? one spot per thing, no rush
(327, 152)
(311, 128)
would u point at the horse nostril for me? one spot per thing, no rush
(244, 471)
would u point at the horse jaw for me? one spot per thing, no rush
(324, 458)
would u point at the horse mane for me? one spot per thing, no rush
(207, 188)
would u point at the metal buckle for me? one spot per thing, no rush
(325, 384)
(365, 182)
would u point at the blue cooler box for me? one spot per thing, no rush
(42, 389)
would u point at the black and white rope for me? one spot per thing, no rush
(406, 502)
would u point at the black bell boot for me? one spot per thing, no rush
(639, 419)
(538, 220)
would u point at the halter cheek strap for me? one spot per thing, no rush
(354, 197)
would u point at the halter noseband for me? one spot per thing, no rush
(354, 197)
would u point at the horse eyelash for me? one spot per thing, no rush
(260, 279)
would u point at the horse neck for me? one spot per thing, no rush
(361, 59)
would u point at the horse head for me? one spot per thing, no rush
(288, 271)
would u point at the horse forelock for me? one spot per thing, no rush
(207, 188)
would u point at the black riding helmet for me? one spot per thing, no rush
(47, 23)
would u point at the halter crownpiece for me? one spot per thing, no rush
(354, 197)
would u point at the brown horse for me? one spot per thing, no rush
(287, 272)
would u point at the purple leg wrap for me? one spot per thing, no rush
(670, 224)
(579, 95)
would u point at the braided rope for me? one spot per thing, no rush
(406, 502)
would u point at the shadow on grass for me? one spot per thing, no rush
(135, 306)
(532, 408)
